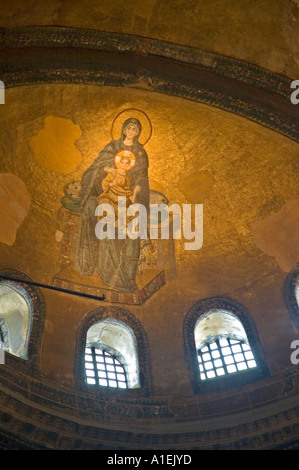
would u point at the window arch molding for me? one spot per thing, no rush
(125, 318)
(229, 306)
(291, 294)
(32, 295)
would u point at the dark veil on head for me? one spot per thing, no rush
(134, 122)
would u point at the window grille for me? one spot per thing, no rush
(224, 356)
(104, 369)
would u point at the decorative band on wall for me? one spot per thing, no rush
(39, 55)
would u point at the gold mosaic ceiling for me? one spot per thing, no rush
(242, 167)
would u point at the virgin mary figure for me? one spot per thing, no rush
(115, 260)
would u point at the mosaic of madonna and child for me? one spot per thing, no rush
(123, 268)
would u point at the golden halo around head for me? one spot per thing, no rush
(125, 154)
(122, 116)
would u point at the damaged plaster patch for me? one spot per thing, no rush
(15, 202)
(196, 186)
(278, 235)
(54, 146)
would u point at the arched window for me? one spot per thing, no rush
(222, 345)
(22, 311)
(112, 354)
(16, 313)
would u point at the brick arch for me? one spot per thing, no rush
(126, 318)
(231, 306)
(31, 365)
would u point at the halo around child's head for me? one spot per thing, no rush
(127, 154)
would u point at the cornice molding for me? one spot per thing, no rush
(58, 36)
(35, 423)
(44, 54)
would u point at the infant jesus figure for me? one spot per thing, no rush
(117, 183)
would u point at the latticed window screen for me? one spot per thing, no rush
(104, 369)
(224, 356)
